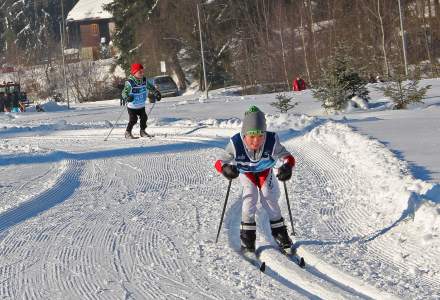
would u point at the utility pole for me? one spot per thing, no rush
(201, 50)
(62, 33)
(403, 39)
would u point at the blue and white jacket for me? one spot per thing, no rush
(138, 89)
(249, 161)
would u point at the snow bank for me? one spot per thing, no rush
(52, 106)
(288, 121)
(400, 200)
(233, 123)
(356, 103)
(7, 147)
(7, 116)
(274, 122)
(49, 106)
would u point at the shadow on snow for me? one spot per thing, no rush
(64, 187)
(104, 154)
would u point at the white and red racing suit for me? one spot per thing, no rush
(256, 173)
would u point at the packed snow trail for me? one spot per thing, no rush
(347, 191)
(137, 219)
(112, 238)
(137, 225)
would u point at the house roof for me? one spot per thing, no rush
(89, 10)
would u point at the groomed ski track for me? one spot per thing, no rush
(137, 220)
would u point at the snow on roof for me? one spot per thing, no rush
(89, 10)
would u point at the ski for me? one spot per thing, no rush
(291, 253)
(252, 258)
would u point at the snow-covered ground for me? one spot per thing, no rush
(84, 218)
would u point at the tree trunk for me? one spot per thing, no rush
(312, 32)
(286, 77)
(306, 63)
(385, 58)
(425, 34)
(177, 71)
(267, 31)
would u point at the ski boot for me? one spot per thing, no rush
(128, 135)
(248, 236)
(144, 134)
(280, 234)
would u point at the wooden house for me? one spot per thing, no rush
(89, 28)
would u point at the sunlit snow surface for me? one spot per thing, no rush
(84, 218)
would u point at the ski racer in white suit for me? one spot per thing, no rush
(251, 155)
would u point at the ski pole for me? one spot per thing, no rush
(122, 110)
(223, 212)
(288, 207)
(151, 108)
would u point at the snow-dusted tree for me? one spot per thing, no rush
(34, 25)
(130, 16)
(167, 30)
(331, 91)
(283, 103)
(404, 92)
(339, 82)
(167, 36)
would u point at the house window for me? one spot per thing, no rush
(95, 29)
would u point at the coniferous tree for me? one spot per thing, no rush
(283, 103)
(34, 24)
(339, 83)
(404, 92)
(129, 17)
(249, 42)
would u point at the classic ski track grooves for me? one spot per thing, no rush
(317, 167)
(37, 180)
(345, 218)
(105, 230)
(139, 253)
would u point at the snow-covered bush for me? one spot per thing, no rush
(90, 82)
(283, 103)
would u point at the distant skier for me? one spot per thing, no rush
(299, 84)
(120, 84)
(251, 156)
(15, 100)
(2, 101)
(135, 93)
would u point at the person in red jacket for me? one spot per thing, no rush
(299, 84)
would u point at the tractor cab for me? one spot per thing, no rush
(12, 99)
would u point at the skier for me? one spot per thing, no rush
(251, 156)
(15, 99)
(135, 94)
(299, 84)
(2, 101)
(120, 84)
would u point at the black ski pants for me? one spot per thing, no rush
(133, 117)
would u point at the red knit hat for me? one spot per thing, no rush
(135, 68)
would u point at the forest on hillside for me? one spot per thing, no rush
(245, 42)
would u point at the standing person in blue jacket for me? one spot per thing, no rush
(251, 156)
(135, 93)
